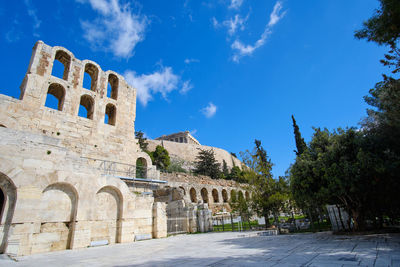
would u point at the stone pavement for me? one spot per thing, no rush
(231, 249)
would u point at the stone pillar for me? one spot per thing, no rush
(159, 220)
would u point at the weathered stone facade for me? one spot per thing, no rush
(59, 172)
(70, 182)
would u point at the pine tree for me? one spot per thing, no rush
(225, 170)
(300, 143)
(206, 164)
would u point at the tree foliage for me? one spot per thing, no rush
(206, 164)
(142, 140)
(300, 143)
(160, 158)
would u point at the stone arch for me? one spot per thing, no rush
(58, 91)
(59, 205)
(247, 195)
(106, 224)
(204, 195)
(240, 195)
(215, 196)
(87, 102)
(9, 192)
(93, 73)
(141, 168)
(183, 189)
(65, 59)
(193, 196)
(110, 114)
(112, 86)
(233, 195)
(224, 195)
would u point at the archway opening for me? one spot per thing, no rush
(86, 108)
(141, 168)
(2, 203)
(193, 197)
(241, 196)
(247, 194)
(233, 196)
(61, 65)
(110, 114)
(90, 77)
(224, 195)
(112, 86)
(215, 195)
(204, 195)
(55, 97)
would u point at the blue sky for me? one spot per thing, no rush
(229, 71)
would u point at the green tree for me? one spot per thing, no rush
(142, 140)
(225, 170)
(300, 144)
(383, 28)
(160, 158)
(206, 164)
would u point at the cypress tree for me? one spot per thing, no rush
(300, 143)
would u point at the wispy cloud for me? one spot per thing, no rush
(193, 132)
(32, 12)
(235, 4)
(241, 49)
(191, 60)
(210, 110)
(163, 82)
(14, 34)
(235, 23)
(117, 28)
(186, 87)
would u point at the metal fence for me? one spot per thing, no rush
(231, 222)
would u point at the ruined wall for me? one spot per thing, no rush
(203, 189)
(189, 152)
(60, 173)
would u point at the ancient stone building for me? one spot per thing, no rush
(72, 179)
(181, 137)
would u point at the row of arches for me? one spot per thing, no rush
(55, 99)
(58, 210)
(61, 69)
(216, 197)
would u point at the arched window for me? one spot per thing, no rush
(183, 189)
(241, 196)
(112, 86)
(233, 196)
(141, 168)
(55, 96)
(215, 195)
(110, 115)
(90, 77)
(204, 195)
(86, 108)
(247, 194)
(224, 196)
(193, 197)
(61, 64)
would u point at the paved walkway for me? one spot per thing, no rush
(232, 249)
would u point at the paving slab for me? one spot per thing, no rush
(231, 249)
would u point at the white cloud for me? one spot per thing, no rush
(186, 87)
(234, 24)
(191, 60)
(163, 82)
(116, 29)
(210, 110)
(235, 4)
(32, 13)
(241, 49)
(215, 22)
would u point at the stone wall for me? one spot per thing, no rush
(189, 152)
(60, 173)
